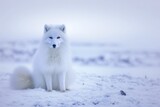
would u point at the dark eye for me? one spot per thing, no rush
(58, 37)
(50, 37)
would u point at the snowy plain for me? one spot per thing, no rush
(106, 76)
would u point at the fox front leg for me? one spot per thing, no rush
(61, 79)
(48, 81)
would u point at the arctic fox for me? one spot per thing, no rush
(51, 63)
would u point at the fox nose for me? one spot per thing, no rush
(54, 46)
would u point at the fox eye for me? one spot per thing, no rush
(58, 37)
(50, 37)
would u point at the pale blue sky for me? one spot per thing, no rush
(110, 20)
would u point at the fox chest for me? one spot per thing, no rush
(54, 59)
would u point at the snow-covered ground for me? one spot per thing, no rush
(106, 75)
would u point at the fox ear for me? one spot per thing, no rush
(62, 28)
(46, 28)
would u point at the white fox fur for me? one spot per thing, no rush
(51, 63)
(21, 78)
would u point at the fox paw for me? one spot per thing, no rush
(49, 90)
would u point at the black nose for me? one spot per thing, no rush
(54, 45)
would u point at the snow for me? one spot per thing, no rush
(101, 76)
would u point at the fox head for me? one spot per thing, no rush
(54, 36)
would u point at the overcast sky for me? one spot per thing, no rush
(113, 20)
